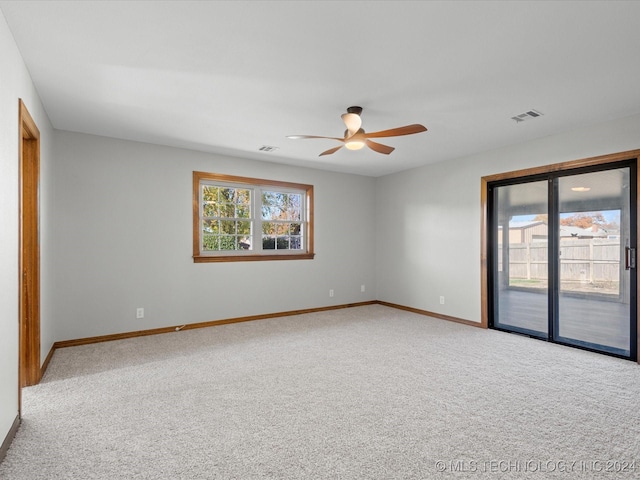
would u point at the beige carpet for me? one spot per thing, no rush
(361, 393)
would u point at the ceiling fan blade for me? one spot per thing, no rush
(396, 132)
(298, 137)
(378, 147)
(330, 151)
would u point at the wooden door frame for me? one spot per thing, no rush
(29, 252)
(558, 167)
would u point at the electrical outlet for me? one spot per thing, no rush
(362, 288)
(140, 313)
(441, 300)
(331, 292)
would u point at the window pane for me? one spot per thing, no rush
(227, 226)
(226, 194)
(210, 209)
(269, 206)
(281, 206)
(226, 210)
(210, 226)
(227, 242)
(243, 197)
(295, 207)
(209, 193)
(268, 228)
(243, 211)
(282, 228)
(209, 242)
(268, 243)
(244, 228)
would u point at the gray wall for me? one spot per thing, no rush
(428, 219)
(122, 215)
(15, 83)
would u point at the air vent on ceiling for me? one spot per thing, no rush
(267, 148)
(526, 116)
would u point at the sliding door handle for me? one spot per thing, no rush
(629, 258)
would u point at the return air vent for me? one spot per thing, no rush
(267, 148)
(526, 116)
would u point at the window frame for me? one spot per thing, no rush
(306, 253)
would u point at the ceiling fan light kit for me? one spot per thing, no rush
(352, 121)
(354, 144)
(355, 137)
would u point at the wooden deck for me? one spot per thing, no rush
(602, 324)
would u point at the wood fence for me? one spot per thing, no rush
(583, 260)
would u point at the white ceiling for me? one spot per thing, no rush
(230, 77)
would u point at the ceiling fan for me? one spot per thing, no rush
(355, 137)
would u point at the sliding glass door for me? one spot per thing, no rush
(594, 301)
(521, 254)
(562, 257)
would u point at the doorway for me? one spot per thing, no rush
(561, 256)
(29, 254)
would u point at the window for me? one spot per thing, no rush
(239, 219)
